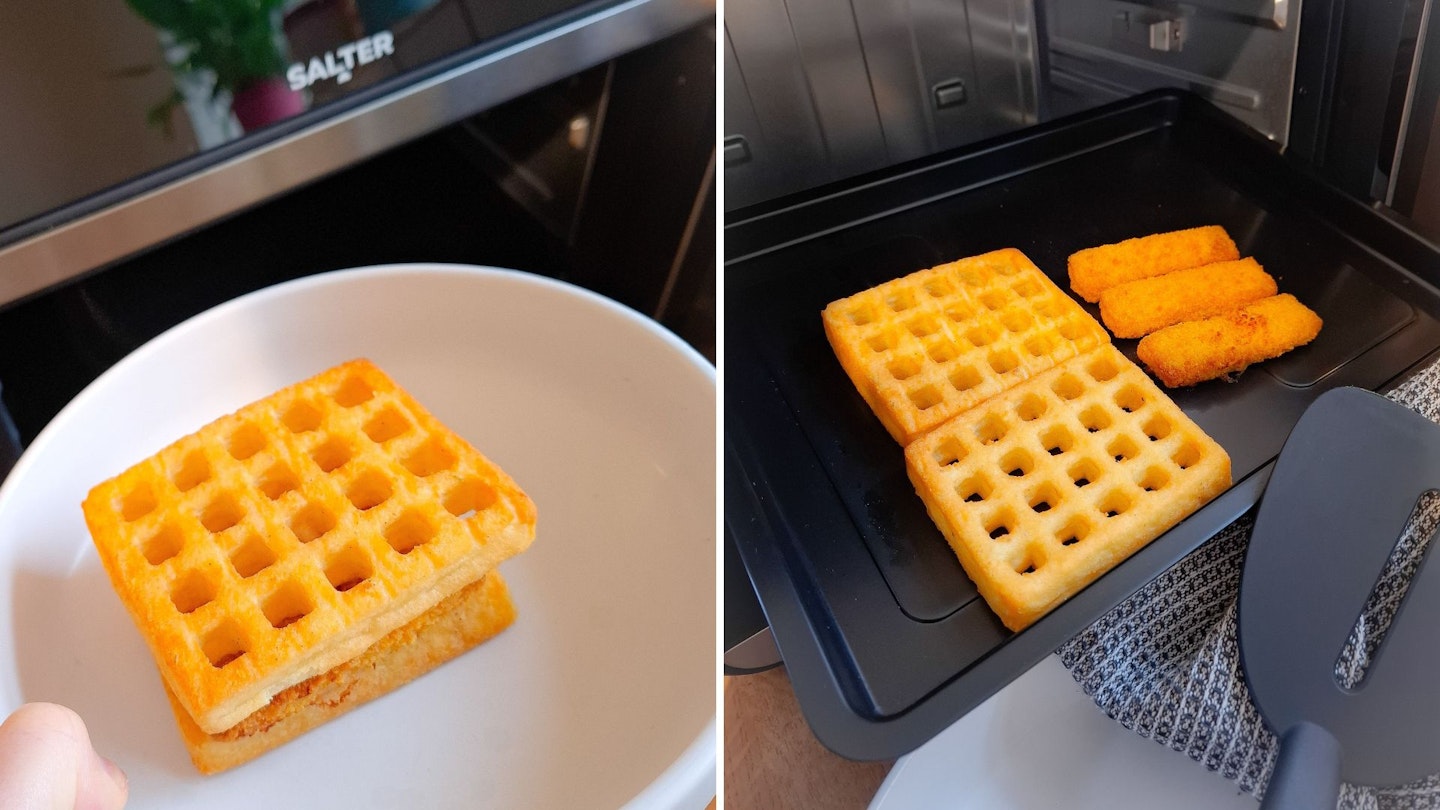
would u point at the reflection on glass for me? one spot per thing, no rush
(381, 14)
(220, 48)
(110, 90)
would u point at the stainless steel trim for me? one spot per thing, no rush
(737, 150)
(692, 224)
(1392, 171)
(125, 228)
(1217, 90)
(1273, 14)
(1234, 54)
(768, 101)
(1005, 53)
(596, 133)
(1084, 84)
(900, 79)
(756, 652)
(832, 64)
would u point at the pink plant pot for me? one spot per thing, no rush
(264, 102)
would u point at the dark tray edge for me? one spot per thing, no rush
(818, 687)
(834, 721)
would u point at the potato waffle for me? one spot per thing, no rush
(932, 344)
(284, 539)
(1044, 488)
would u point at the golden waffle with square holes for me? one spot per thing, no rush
(1044, 488)
(285, 539)
(932, 344)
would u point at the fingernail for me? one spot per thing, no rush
(116, 775)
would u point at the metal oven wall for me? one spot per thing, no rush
(820, 90)
(1238, 54)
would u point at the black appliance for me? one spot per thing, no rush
(571, 139)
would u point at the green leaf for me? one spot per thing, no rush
(168, 14)
(240, 40)
(161, 116)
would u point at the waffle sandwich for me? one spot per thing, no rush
(923, 348)
(332, 536)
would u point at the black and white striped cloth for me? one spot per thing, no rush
(1166, 664)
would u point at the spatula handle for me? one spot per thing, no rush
(1307, 772)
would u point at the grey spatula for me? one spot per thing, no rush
(1341, 492)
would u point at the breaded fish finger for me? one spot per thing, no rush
(1137, 308)
(1195, 351)
(1095, 270)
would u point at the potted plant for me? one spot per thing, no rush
(240, 42)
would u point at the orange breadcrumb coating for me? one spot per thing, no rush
(1095, 270)
(1188, 353)
(1137, 308)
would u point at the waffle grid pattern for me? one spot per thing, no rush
(1050, 484)
(932, 344)
(286, 538)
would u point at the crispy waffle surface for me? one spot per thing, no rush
(925, 347)
(285, 539)
(1044, 488)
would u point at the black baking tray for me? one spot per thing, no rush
(882, 634)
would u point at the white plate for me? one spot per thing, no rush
(1040, 743)
(602, 693)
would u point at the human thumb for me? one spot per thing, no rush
(47, 763)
